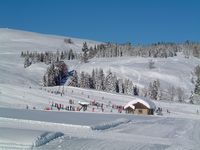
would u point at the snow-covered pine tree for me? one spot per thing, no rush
(135, 90)
(100, 80)
(71, 55)
(93, 80)
(197, 86)
(82, 79)
(191, 98)
(171, 92)
(87, 80)
(130, 87)
(110, 82)
(150, 90)
(125, 86)
(45, 83)
(85, 52)
(57, 56)
(27, 62)
(121, 86)
(74, 80)
(62, 56)
(197, 71)
(151, 64)
(154, 90)
(180, 94)
(117, 85)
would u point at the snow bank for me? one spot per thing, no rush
(46, 138)
(110, 124)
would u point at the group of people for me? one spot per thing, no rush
(103, 106)
(62, 107)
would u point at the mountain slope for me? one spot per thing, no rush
(20, 88)
(16, 40)
(171, 71)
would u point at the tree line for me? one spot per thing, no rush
(107, 81)
(47, 57)
(160, 49)
(97, 80)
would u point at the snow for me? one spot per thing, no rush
(46, 137)
(110, 124)
(172, 71)
(83, 103)
(14, 41)
(19, 87)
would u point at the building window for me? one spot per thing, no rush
(140, 111)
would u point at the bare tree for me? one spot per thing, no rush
(171, 92)
(180, 94)
(151, 64)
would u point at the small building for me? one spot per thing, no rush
(84, 105)
(140, 106)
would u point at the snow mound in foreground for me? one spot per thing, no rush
(46, 138)
(109, 124)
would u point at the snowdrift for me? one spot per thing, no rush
(46, 138)
(109, 124)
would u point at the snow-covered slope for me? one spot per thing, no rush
(15, 41)
(20, 87)
(171, 71)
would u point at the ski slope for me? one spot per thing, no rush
(15, 41)
(141, 132)
(20, 87)
(171, 71)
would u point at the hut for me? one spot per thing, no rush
(141, 106)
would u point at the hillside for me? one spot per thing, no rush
(16, 41)
(172, 71)
(25, 118)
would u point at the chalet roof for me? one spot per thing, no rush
(147, 102)
(83, 103)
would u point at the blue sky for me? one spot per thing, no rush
(136, 21)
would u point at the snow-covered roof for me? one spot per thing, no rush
(83, 103)
(147, 102)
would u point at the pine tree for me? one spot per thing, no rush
(62, 57)
(117, 85)
(27, 62)
(121, 86)
(171, 92)
(130, 87)
(154, 90)
(93, 80)
(110, 82)
(71, 55)
(180, 94)
(82, 79)
(45, 81)
(100, 80)
(87, 80)
(197, 86)
(74, 80)
(85, 52)
(197, 71)
(135, 91)
(22, 54)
